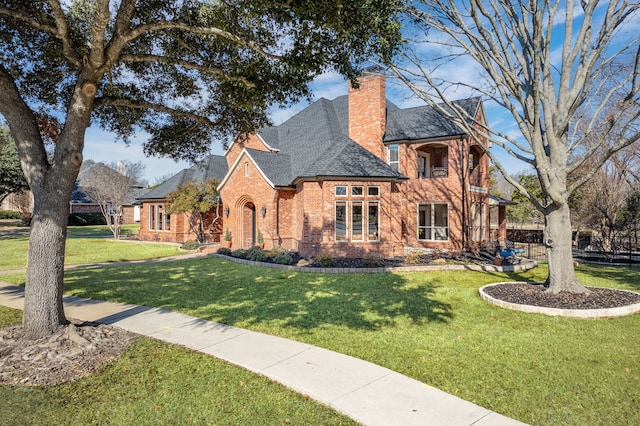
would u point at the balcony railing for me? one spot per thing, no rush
(434, 172)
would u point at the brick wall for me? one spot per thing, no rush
(253, 142)
(245, 188)
(367, 114)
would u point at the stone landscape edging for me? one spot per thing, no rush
(525, 265)
(557, 312)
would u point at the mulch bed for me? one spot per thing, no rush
(535, 295)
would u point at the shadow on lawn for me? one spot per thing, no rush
(627, 277)
(234, 294)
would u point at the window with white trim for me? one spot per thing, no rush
(393, 158)
(433, 222)
(373, 220)
(357, 217)
(340, 191)
(159, 218)
(152, 217)
(341, 221)
(357, 220)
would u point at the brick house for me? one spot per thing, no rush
(156, 224)
(82, 203)
(357, 175)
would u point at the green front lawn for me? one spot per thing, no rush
(83, 247)
(155, 383)
(430, 326)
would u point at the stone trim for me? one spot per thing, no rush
(525, 265)
(556, 312)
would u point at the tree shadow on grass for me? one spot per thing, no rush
(234, 294)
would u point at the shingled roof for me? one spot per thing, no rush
(211, 167)
(314, 143)
(425, 122)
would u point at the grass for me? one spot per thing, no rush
(430, 326)
(433, 327)
(83, 247)
(156, 383)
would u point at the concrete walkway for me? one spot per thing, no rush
(366, 392)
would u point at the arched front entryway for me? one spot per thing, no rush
(248, 226)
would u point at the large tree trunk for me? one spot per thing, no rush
(557, 238)
(43, 310)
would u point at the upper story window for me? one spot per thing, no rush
(340, 191)
(433, 161)
(373, 191)
(392, 157)
(357, 191)
(246, 169)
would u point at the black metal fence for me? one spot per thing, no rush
(531, 242)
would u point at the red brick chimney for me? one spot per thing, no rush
(367, 114)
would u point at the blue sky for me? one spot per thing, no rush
(102, 146)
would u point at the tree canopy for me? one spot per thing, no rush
(185, 72)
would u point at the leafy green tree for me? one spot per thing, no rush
(185, 72)
(524, 211)
(200, 203)
(11, 177)
(567, 72)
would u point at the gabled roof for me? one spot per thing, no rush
(211, 167)
(425, 122)
(314, 143)
(90, 166)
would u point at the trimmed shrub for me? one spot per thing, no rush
(8, 214)
(255, 253)
(190, 245)
(224, 250)
(240, 253)
(283, 259)
(83, 219)
(323, 259)
(373, 261)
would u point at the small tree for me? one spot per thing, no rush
(109, 186)
(200, 203)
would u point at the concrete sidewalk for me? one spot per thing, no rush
(366, 392)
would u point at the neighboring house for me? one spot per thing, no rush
(156, 224)
(81, 203)
(353, 176)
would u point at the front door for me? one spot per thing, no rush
(248, 225)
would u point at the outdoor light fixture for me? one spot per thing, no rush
(226, 211)
(263, 211)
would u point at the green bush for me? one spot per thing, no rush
(283, 259)
(240, 253)
(83, 219)
(224, 250)
(373, 261)
(190, 245)
(8, 214)
(323, 259)
(255, 253)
